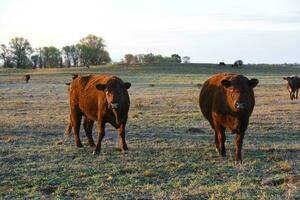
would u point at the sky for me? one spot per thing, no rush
(256, 31)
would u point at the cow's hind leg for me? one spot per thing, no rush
(88, 127)
(238, 146)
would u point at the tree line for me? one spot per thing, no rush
(90, 50)
(153, 59)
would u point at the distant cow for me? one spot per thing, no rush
(87, 124)
(101, 98)
(293, 85)
(27, 78)
(227, 101)
(222, 64)
(237, 63)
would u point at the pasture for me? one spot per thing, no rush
(165, 160)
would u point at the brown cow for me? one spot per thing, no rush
(293, 85)
(87, 124)
(227, 101)
(27, 78)
(101, 98)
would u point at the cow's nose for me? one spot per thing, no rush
(114, 105)
(239, 105)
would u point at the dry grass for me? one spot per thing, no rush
(165, 159)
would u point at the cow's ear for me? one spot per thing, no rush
(127, 85)
(253, 83)
(101, 86)
(68, 83)
(226, 83)
(284, 78)
(74, 76)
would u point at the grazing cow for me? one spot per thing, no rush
(227, 101)
(237, 63)
(27, 78)
(101, 98)
(293, 85)
(87, 124)
(222, 64)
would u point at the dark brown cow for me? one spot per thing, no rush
(222, 64)
(87, 124)
(293, 85)
(101, 98)
(27, 78)
(227, 101)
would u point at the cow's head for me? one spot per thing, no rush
(114, 91)
(69, 83)
(290, 81)
(238, 90)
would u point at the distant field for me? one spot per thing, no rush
(164, 160)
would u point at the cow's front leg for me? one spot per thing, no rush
(101, 134)
(121, 138)
(220, 139)
(238, 147)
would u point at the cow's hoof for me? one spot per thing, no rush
(125, 148)
(79, 145)
(92, 144)
(96, 153)
(124, 151)
(238, 162)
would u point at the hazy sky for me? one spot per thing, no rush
(256, 31)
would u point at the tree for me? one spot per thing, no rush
(66, 50)
(74, 53)
(176, 57)
(105, 58)
(186, 59)
(140, 58)
(92, 51)
(149, 58)
(51, 56)
(6, 56)
(158, 59)
(87, 54)
(34, 59)
(129, 58)
(39, 52)
(21, 49)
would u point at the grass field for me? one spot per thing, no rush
(164, 161)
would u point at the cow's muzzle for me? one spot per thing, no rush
(113, 106)
(239, 106)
